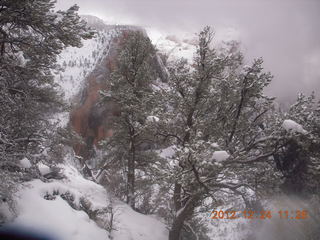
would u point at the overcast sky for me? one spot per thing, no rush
(286, 33)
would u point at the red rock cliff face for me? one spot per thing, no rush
(91, 118)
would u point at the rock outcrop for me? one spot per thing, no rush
(91, 118)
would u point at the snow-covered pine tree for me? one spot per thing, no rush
(32, 34)
(213, 117)
(130, 90)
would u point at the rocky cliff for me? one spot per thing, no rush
(91, 117)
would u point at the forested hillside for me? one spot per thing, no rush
(106, 135)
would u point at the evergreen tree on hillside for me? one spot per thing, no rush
(130, 89)
(214, 117)
(32, 34)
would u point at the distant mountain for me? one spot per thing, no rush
(94, 22)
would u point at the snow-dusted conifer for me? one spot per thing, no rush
(216, 105)
(130, 87)
(32, 34)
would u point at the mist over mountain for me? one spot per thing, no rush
(285, 33)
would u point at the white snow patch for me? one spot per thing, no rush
(159, 85)
(136, 226)
(220, 156)
(292, 126)
(25, 163)
(168, 152)
(175, 47)
(54, 217)
(152, 119)
(44, 169)
(215, 145)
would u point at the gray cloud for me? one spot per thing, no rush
(286, 33)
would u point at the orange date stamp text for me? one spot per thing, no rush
(248, 214)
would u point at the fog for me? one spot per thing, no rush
(286, 33)
(288, 228)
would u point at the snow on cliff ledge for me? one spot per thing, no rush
(292, 126)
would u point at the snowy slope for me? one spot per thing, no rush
(176, 47)
(41, 207)
(77, 63)
(136, 226)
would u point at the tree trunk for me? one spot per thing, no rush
(182, 214)
(177, 196)
(131, 177)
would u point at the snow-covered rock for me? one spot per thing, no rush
(220, 156)
(152, 119)
(25, 163)
(44, 169)
(292, 126)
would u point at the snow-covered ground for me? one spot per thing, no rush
(41, 207)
